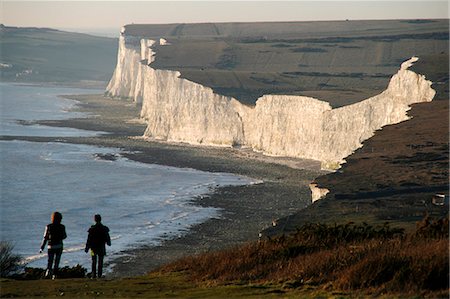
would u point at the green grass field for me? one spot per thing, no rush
(42, 55)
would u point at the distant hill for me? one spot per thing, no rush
(38, 55)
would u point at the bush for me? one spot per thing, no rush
(72, 272)
(31, 273)
(9, 262)
(432, 228)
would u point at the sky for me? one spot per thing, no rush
(107, 15)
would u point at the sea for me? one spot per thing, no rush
(142, 204)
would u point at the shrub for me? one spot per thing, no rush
(9, 262)
(72, 272)
(429, 228)
(31, 273)
(408, 265)
(371, 259)
(314, 249)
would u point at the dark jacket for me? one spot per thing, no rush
(54, 234)
(98, 236)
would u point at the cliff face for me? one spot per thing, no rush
(179, 110)
(125, 76)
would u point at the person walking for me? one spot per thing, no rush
(98, 236)
(54, 234)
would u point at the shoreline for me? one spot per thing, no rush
(244, 210)
(82, 84)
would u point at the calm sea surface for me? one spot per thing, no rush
(140, 203)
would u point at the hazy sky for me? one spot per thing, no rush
(114, 14)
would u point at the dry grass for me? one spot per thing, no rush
(400, 265)
(346, 257)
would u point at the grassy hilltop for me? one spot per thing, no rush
(43, 55)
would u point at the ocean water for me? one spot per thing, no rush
(20, 105)
(140, 203)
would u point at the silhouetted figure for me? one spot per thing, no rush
(54, 234)
(98, 236)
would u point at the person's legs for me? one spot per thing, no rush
(58, 253)
(94, 264)
(51, 256)
(100, 265)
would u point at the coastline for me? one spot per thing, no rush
(245, 210)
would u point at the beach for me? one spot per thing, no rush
(281, 188)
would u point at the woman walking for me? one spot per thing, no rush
(54, 234)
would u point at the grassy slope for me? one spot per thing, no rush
(318, 261)
(351, 257)
(55, 56)
(154, 285)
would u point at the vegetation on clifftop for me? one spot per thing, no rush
(350, 258)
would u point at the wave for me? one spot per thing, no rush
(33, 258)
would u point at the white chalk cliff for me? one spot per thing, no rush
(180, 110)
(317, 192)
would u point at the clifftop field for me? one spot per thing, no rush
(339, 62)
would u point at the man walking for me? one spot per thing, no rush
(98, 236)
